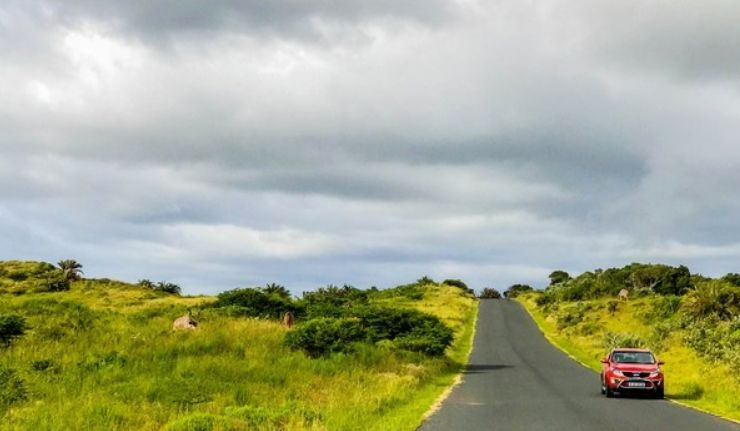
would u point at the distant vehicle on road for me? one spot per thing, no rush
(632, 370)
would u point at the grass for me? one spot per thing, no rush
(103, 356)
(699, 383)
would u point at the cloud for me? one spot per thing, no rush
(371, 143)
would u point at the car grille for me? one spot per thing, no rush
(631, 374)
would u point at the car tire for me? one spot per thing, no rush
(660, 393)
(603, 386)
(609, 392)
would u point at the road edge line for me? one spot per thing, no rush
(437, 404)
(671, 400)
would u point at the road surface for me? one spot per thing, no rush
(517, 380)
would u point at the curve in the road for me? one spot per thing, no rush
(517, 380)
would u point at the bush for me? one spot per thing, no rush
(614, 340)
(490, 293)
(517, 289)
(255, 302)
(326, 335)
(713, 298)
(333, 301)
(12, 388)
(569, 317)
(408, 329)
(659, 337)
(166, 287)
(715, 339)
(459, 284)
(11, 326)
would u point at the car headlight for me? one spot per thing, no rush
(618, 373)
(655, 374)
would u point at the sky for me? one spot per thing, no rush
(308, 142)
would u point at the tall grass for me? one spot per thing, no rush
(103, 356)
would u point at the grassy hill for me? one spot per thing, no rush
(103, 355)
(691, 322)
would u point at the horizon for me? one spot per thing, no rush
(368, 144)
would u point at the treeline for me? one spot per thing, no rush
(337, 319)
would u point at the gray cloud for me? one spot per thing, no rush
(371, 143)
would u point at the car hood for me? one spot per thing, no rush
(635, 367)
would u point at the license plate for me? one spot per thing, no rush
(636, 384)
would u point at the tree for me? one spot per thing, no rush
(490, 293)
(277, 289)
(71, 268)
(164, 286)
(11, 326)
(558, 276)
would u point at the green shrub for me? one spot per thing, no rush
(167, 287)
(713, 298)
(714, 339)
(490, 293)
(326, 335)
(614, 340)
(11, 326)
(569, 317)
(333, 301)
(661, 308)
(409, 329)
(658, 338)
(254, 302)
(12, 388)
(456, 283)
(517, 289)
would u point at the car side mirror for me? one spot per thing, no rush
(661, 362)
(604, 360)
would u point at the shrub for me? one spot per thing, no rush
(333, 301)
(517, 289)
(425, 280)
(658, 338)
(613, 340)
(167, 287)
(11, 326)
(569, 317)
(490, 293)
(558, 277)
(459, 284)
(409, 329)
(255, 302)
(713, 298)
(12, 388)
(326, 335)
(662, 308)
(148, 284)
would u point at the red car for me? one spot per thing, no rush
(636, 370)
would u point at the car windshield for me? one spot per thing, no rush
(633, 358)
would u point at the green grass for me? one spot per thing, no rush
(690, 379)
(103, 356)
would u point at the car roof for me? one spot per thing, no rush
(631, 350)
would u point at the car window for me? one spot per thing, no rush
(633, 357)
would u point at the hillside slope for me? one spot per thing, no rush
(103, 356)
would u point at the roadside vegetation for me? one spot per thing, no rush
(101, 354)
(690, 321)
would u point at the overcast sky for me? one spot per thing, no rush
(309, 142)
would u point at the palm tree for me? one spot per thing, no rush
(71, 268)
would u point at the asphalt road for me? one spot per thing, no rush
(517, 380)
